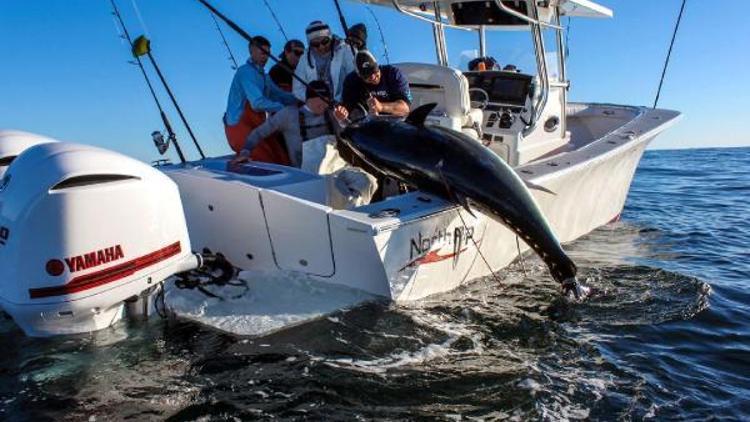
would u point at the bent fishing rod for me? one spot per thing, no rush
(249, 38)
(342, 19)
(226, 44)
(168, 127)
(275, 18)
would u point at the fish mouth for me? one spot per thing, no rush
(574, 289)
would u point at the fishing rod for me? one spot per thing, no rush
(382, 36)
(161, 146)
(226, 44)
(342, 19)
(248, 38)
(142, 46)
(275, 18)
(669, 53)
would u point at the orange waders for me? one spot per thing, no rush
(269, 150)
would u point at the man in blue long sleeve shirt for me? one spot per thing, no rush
(251, 95)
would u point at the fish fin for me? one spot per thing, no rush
(537, 187)
(419, 114)
(457, 198)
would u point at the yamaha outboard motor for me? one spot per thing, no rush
(14, 142)
(82, 229)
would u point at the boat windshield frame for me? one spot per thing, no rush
(535, 25)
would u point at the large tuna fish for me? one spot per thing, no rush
(454, 166)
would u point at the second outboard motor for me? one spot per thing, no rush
(82, 229)
(14, 142)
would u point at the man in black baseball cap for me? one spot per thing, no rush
(377, 89)
(356, 36)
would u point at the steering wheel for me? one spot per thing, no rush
(479, 103)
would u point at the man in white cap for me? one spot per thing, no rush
(328, 59)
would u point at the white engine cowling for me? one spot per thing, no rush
(81, 230)
(14, 142)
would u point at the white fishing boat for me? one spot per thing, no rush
(413, 245)
(282, 221)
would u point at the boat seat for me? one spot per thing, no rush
(447, 87)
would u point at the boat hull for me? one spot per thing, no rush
(410, 246)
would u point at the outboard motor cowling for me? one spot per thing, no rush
(81, 230)
(14, 142)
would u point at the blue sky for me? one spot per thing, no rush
(64, 71)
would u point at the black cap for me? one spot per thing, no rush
(318, 89)
(366, 64)
(293, 43)
(358, 32)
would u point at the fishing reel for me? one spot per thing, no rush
(162, 145)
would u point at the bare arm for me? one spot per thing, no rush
(397, 108)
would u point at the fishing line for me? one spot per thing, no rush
(140, 18)
(669, 53)
(275, 18)
(520, 257)
(466, 226)
(380, 30)
(479, 251)
(224, 40)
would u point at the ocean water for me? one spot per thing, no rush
(666, 337)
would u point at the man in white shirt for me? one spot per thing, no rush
(328, 59)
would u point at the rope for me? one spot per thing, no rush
(275, 18)
(669, 53)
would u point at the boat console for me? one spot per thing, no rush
(502, 95)
(505, 98)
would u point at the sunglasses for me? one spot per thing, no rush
(298, 52)
(323, 42)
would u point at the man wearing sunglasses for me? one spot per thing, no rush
(252, 95)
(328, 59)
(376, 89)
(279, 73)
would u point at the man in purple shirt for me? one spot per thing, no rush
(376, 89)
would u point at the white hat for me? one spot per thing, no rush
(317, 29)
